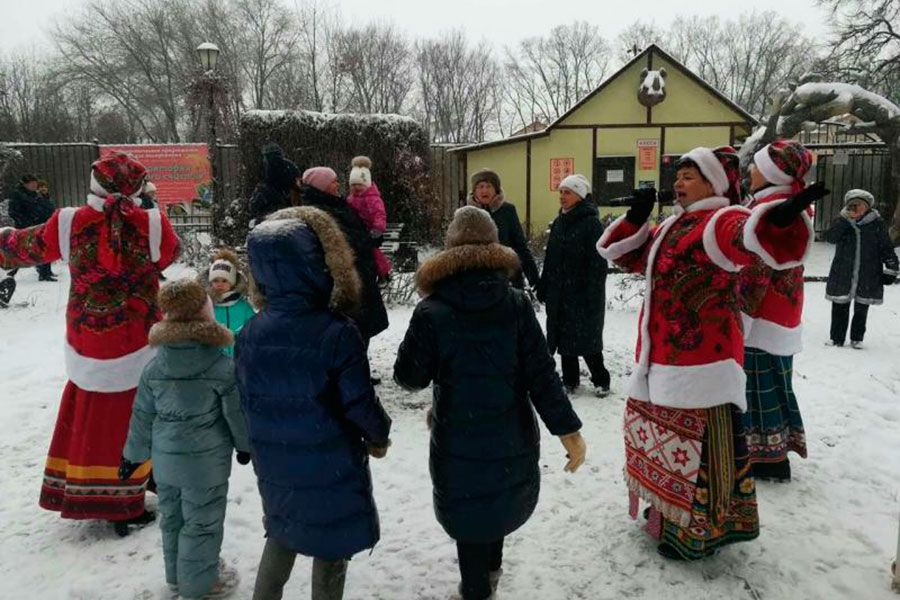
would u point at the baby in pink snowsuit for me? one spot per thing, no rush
(366, 200)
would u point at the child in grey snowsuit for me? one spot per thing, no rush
(864, 262)
(187, 418)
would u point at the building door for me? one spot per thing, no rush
(613, 178)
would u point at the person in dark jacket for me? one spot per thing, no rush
(280, 177)
(487, 194)
(863, 247)
(321, 189)
(312, 413)
(573, 285)
(28, 208)
(478, 341)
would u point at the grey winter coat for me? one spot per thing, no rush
(863, 246)
(187, 413)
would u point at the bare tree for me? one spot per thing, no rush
(457, 86)
(267, 37)
(376, 61)
(131, 51)
(743, 58)
(865, 46)
(548, 75)
(35, 105)
(635, 38)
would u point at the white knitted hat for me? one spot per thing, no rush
(577, 183)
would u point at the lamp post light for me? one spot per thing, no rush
(208, 56)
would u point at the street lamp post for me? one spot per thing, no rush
(208, 55)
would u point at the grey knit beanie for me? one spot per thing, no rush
(470, 225)
(859, 195)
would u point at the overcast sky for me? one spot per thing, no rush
(24, 23)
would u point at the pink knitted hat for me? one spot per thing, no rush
(319, 177)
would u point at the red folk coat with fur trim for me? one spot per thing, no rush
(112, 298)
(772, 299)
(690, 348)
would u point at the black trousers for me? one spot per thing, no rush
(570, 370)
(840, 316)
(476, 561)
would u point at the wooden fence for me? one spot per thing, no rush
(66, 167)
(448, 177)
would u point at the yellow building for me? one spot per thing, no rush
(625, 134)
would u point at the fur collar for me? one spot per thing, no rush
(208, 333)
(339, 258)
(496, 203)
(465, 258)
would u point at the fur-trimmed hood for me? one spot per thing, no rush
(242, 286)
(207, 333)
(453, 261)
(496, 203)
(290, 226)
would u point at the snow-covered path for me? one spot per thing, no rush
(828, 534)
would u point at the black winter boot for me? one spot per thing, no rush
(145, 518)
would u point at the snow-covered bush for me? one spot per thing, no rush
(8, 158)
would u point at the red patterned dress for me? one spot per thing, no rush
(686, 452)
(772, 304)
(115, 251)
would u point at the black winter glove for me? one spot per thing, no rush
(243, 458)
(644, 201)
(888, 279)
(785, 213)
(127, 469)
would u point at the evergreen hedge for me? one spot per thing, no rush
(398, 146)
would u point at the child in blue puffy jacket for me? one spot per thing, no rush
(187, 419)
(312, 413)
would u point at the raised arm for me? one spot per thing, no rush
(34, 245)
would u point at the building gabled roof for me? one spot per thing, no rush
(642, 56)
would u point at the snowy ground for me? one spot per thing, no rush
(828, 534)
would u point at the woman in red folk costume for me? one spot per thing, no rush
(686, 452)
(772, 300)
(115, 251)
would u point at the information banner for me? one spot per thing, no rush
(180, 172)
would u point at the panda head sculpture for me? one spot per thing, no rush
(653, 87)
